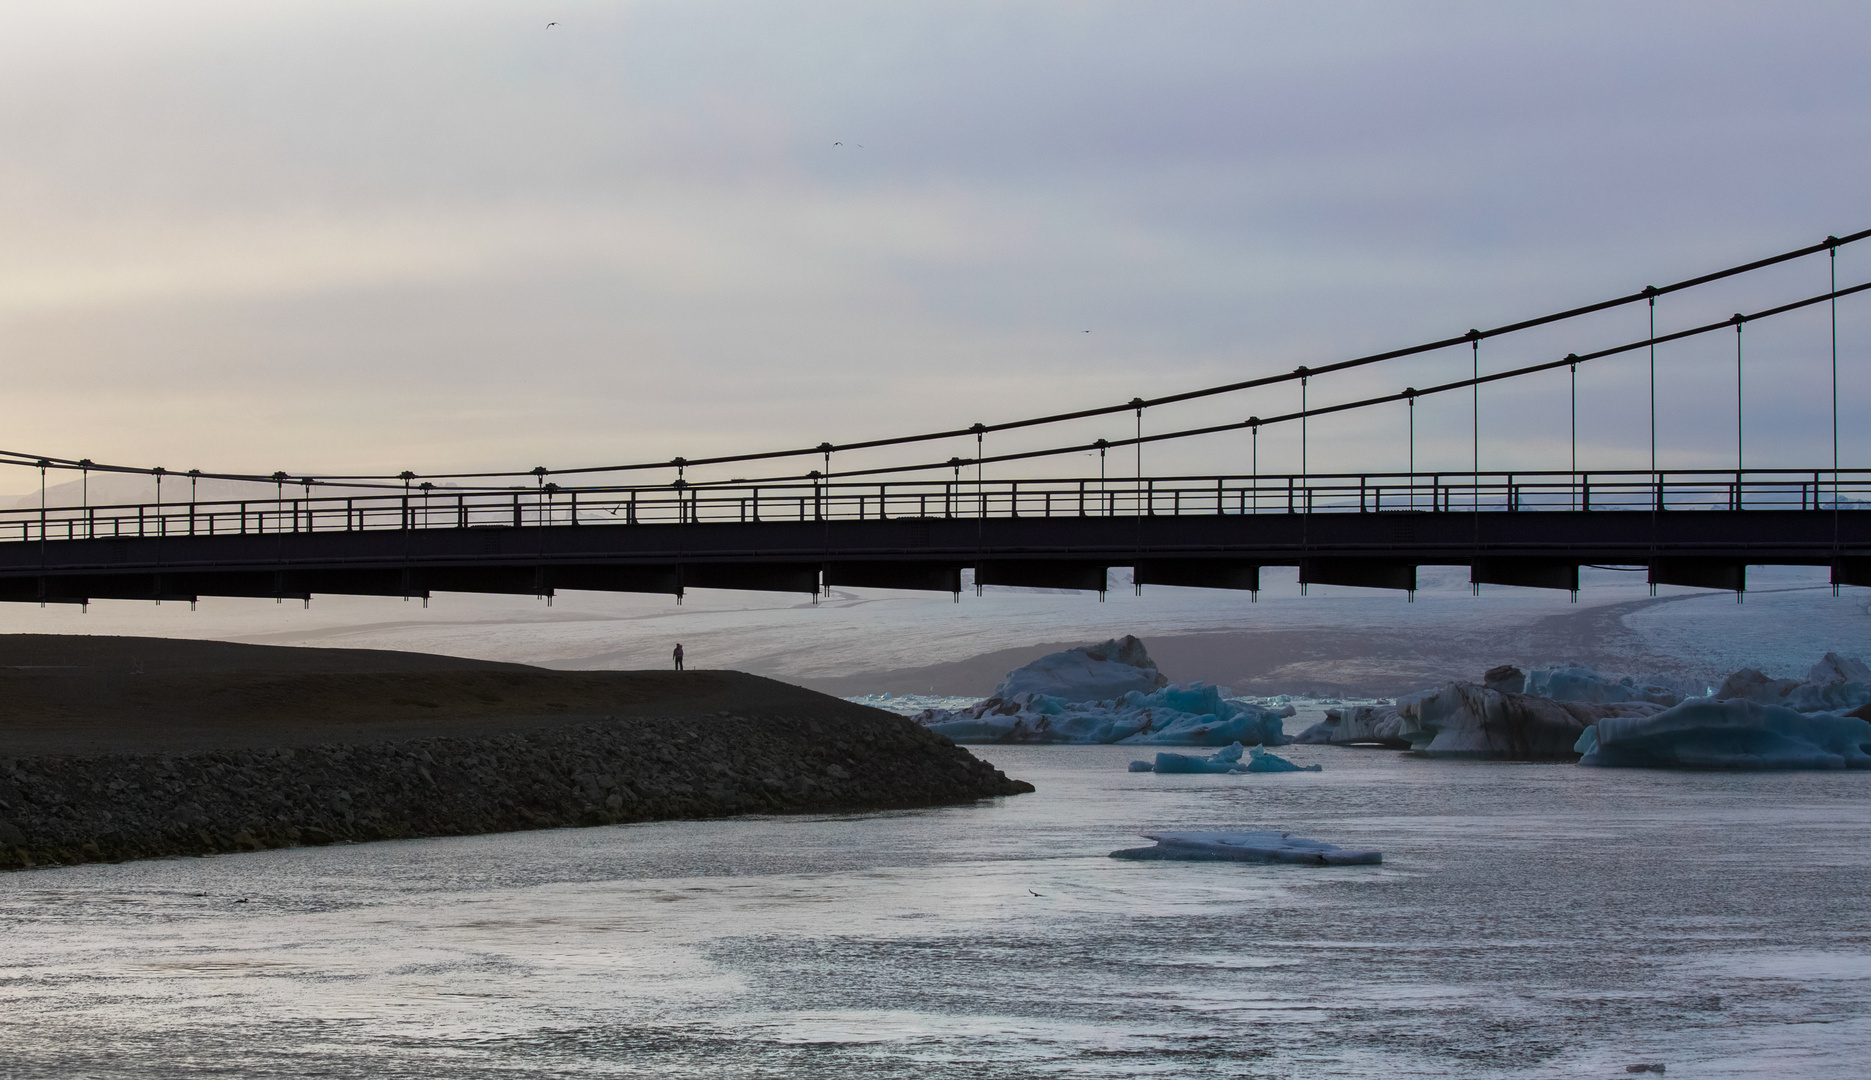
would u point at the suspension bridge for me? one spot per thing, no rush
(933, 524)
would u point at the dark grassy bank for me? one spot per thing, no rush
(131, 748)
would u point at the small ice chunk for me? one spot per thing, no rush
(1143, 766)
(1259, 760)
(1259, 846)
(1225, 760)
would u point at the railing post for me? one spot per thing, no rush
(1013, 498)
(1081, 498)
(1289, 494)
(1150, 493)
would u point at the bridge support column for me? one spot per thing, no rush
(1852, 570)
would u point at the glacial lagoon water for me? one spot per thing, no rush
(1528, 921)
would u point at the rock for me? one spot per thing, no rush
(10, 836)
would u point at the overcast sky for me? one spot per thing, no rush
(334, 236)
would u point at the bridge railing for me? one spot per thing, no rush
(837, 500)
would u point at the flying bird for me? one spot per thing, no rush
(1036, 894)
(838, 144)
(550, 25)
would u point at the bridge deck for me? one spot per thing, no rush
(1709, 548)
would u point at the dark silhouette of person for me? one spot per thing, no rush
(678, 656)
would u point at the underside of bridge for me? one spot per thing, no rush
(1703, 549)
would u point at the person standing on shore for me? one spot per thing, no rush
(678, 656)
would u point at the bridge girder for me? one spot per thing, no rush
(1702, 548)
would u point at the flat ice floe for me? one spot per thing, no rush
(1260, 846)
(1067, 697)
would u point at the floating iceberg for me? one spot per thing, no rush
(1149, 712)
(1227, 760)
(1463, 720)
(1100, 672)
(1358, 725)
(1576, 683)
(1194, 715)
(1735, 734)
(1257, 847)
(1835, 684)
(1259, 760)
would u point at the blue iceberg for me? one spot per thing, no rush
(1196, 714)
(1260, 761)
(1733, 734)
(1227, 760)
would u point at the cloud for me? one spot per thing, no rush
(439, 236)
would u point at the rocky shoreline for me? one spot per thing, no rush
(132, 748)
(62, 810)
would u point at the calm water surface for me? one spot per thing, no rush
(1529, 921)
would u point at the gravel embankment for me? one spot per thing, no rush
(129, 806)
(217, 748)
